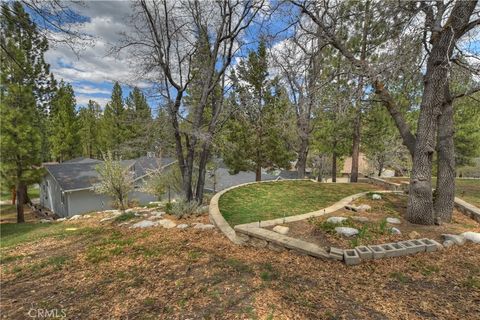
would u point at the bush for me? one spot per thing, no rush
(168, 207)
(184, 208)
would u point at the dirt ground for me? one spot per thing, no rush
(105, 271)
(390, 206)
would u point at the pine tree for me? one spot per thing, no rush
(23, 72)
(138, 124)
(64, 128)
(20, 33)
(257, 136)
(114, 122)
(90, 130)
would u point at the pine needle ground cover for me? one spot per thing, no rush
(270, 200)
(95, 270)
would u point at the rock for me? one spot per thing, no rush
(346, 231)
(136, 214)
(86, 216)
(336, 219)
(182, 226)
(394, 220)
(129, 210)
(45, 220)
(157, 214)
(376, 196)
(363, 208)
(61, 219)
(166, 223)
(472, 236)
(281, 229)
(359, 219)
(204, 226)
(457, 239)
(351, 208)
(76, 217)
(395, 231)
(414, 235)
(144, 224)
(258, 243)
(448, 243)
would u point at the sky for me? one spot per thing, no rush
(93, 71)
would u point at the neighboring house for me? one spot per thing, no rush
(67, 188)
(364, 167)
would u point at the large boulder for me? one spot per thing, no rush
(346, 231)
(336, 219)
(457, 239)
(281, 229)
(166, 223)
(394, 220)
(472, 236)
(376, 196)
(144, 224)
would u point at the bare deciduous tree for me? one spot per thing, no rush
(167, 35)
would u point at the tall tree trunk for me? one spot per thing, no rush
(204, 155)
(334, 167)
(356, 147)
(258, 172)
(302, 157)
(21, 190)
(380, 169)
(14, 195)
(445, 188)
(420, 202)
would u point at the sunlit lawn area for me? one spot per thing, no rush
(467, 189)
(270, 200)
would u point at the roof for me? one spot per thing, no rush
(81, 173)
(82, 160)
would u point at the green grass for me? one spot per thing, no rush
(466, 189)
(125, 217)
(32, 193)
(270, 200)
(13, 234)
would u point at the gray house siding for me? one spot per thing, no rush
(84, 201)
(51, 196)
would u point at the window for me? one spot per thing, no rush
(62, 197)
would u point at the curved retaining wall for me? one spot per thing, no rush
(219, 221)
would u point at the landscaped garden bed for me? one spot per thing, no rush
(270, 200)
(372, 225)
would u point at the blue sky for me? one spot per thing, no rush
(93, 72)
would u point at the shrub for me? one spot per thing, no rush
(168, 207)
(184, 208)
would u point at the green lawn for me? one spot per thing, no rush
(270, 200)
(33, 192)
(466, 189)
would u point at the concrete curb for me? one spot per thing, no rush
(219, 221)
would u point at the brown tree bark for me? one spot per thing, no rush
(302, 157)
(14, 195)
(420, 202)
(21, 190)
(334, 167)
(356, 147)
(445, 188)
(258, 173)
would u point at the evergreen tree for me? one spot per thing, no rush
(90, 130)
(257, 136)
(114, 122)
(64, 128)
(20, 33)
(138, 125)
(23, 73)
(467, 130)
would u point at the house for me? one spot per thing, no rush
(67, 188)
(364, 167)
